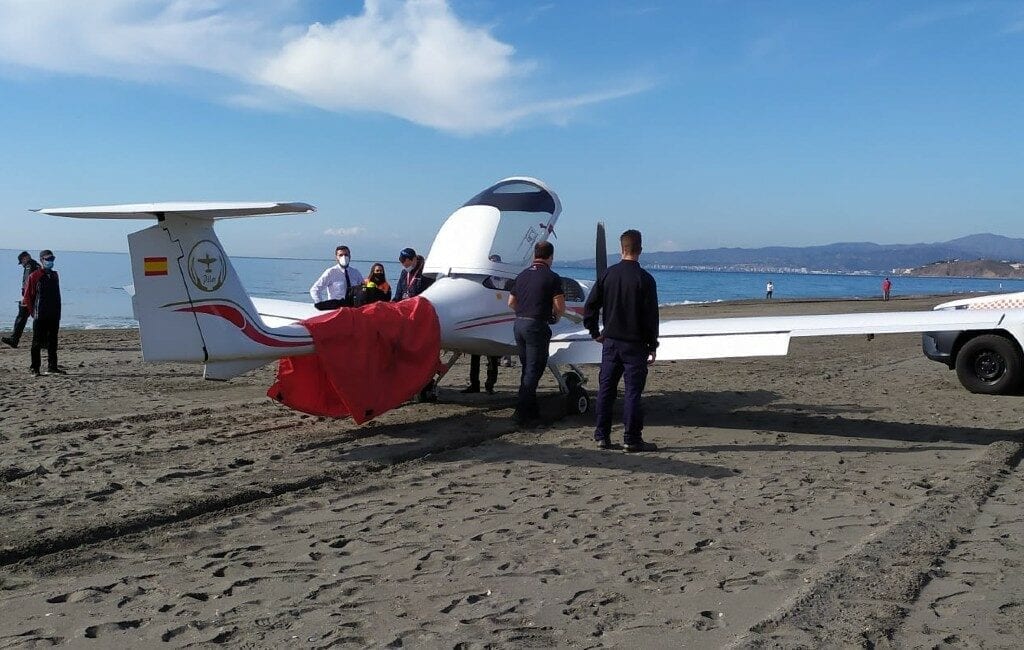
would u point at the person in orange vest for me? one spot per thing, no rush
(375, 288)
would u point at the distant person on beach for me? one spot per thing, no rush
(333, 288)
(42, 299)
(886, 288)
(411, 283)
(769, 289)
(625, 300)
(538, 300)
(29, 267)
(374, 289)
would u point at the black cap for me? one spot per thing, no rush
(406, 254)
(21, 255)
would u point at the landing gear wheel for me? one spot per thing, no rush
(577, 401)
(991, 365)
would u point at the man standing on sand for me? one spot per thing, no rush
(886, 288)
(337, 282)
(42, 298)
(625, 299)
(538, 301)
(30, 266)
(769, 289)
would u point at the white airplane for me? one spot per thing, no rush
(192, 307)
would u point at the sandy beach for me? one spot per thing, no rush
(851, 493)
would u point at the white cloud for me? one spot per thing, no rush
(413, 59)
(345, 232)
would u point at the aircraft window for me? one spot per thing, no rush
(516, 187)
(516, 196)
(516, 234)
(573, 290)
(501, 284)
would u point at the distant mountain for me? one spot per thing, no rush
(841, 257)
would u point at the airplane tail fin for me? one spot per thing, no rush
(601, 250)
(190, 304)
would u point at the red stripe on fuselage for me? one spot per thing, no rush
(240, 320)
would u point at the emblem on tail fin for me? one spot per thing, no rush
(206, 267)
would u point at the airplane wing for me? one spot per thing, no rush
(206, 210)
(719, 338)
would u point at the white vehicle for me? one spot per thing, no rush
(986, 361)
(191, 306)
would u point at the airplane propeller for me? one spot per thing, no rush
(601, 250)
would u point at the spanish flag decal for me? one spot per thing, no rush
(155, 265)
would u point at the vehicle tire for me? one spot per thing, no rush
(989, 364)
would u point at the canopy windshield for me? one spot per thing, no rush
(496, 230)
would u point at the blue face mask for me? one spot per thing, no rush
(47, 264)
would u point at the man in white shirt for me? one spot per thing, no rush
(335, 282)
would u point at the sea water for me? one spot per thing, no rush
(92, 285)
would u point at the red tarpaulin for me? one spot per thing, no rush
(368, 360)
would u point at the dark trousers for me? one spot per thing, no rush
(474, 371)
(532, 337)
(44, 335)
(19, 323)
(622, 359)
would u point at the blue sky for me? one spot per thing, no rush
(704, 124)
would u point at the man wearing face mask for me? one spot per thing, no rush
(30, 266)
(42, 298)
(337, 282)
(411, 282)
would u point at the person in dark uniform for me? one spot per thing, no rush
(538, 301)
(474, 375)
(42, 298)
(411, 282)
(30, 266)
(625, 298)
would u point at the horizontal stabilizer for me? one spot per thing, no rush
(192, 210)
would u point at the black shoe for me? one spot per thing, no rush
(34, 371)
(56, 371)
(6, 340)
(640, 446)
(470, 389)
(489, 390)
(605, 443)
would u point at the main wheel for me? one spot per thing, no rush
(577, 402)
(989, 364)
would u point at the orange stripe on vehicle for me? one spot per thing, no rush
(155, 265)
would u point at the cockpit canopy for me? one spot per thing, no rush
(495, 231)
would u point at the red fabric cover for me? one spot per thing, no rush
(368, 360)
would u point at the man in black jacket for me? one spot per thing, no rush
(30, 266)
(411, 283)
(627, 298)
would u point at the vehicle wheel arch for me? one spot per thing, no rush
(965, 337)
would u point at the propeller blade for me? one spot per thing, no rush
(601, 250)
